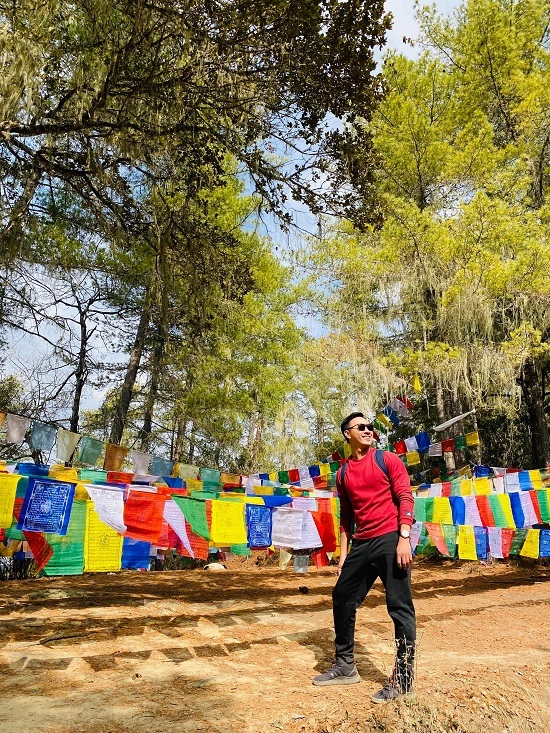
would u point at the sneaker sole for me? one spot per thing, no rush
(339, 681)
(404, 696)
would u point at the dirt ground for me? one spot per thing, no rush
(235, 651)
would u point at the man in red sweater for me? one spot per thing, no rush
(375, 494)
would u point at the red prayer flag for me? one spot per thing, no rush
(485, 511)
(41, 549)
(436, 535)
(536, 505)
(320, 559)
(143, 516)
(446, 488)
(448, 446)
(325, 526)
(400, 447)
(293, 475)
(320, 482)
(405, 400)
(507, 537)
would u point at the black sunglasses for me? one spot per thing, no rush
(363, 426)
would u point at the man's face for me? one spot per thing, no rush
(360, 433)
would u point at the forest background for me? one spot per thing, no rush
(148, 150)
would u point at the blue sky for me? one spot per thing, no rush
(404, 23)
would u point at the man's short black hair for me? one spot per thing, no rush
(346, 421)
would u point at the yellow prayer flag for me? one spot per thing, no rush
(504, 501)
(274, 476)
(536, 479)
(347, 450)
(472, 438)
(413, 458)
(415, 383)
(384, 420)
(252, 499)
(466, 543)
(63, 473)
(324, 469)
(442, 511)
(531, 545)
(8, 487)
(482, 486)
(465, 471)
(466, 488)
(102, 544)
(193, 484)
(228, 527)
(81, 492)
(264, 490)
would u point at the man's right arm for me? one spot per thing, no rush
(344, 547)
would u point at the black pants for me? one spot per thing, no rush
(368, 560)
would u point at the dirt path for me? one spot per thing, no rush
(234, 652)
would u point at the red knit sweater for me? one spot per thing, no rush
(377, 504)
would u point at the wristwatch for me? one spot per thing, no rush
(404, 533)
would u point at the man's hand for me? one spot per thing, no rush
(339, 568)
(404, 553)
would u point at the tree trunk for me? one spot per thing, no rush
(152, 396)
(81, 373)
(532, 394)
(126, 392)
(181, 428)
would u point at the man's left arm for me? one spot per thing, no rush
(401, 488)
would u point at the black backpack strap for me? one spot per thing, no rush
(341, 473)
(379, 456)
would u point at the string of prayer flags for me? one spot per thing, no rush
(90, 450)
(228, 527)
(102, 544)
(143, 514)
(115, 455)
(16, 428)
(8, 488)
(258, 519)
(66, 444)
(47, 506)
(42, 437)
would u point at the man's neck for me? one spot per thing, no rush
(360, 452)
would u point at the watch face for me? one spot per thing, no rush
(405, 535)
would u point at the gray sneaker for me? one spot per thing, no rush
(338, 675)
(389, 692)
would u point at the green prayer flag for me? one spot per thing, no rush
(420, 509)
(460, 442)
(68, 551)
(90, 450)
(194, 510)
(283, 477)
(241, 550)
(498, 511)
(210, 475)
(517, 541)
(92, 475)
(449, 535)
(544, 504)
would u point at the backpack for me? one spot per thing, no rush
(378, 457)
